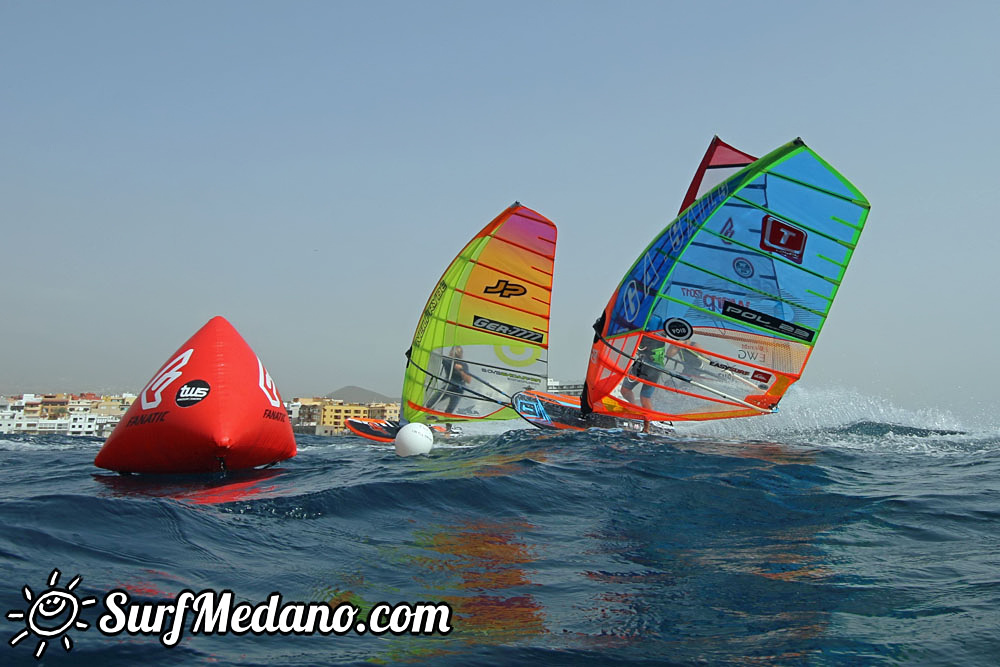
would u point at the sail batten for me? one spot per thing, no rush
(811, 186)
(527, 249)
(507, 306)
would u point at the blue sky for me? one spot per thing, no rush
(308, 169)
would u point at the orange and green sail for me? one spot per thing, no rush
(719, 314)
(484, 333)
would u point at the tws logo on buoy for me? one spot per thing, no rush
(51, 614)
(191, 392)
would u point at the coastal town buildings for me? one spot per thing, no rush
(565, 388)
(63, 414)
(94, 415)
(325, 416)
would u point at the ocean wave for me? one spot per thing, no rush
(827, 538)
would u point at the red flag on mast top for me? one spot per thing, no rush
(212, 406)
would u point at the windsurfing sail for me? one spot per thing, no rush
(720, 162)
(719, 314)
(484, 332)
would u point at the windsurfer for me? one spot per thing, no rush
(649, 357)
(653, 357)
(456, 372)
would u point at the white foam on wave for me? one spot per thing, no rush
(474, 434)
(36, 442)
(846, 418)
(489, 428)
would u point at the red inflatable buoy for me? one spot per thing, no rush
(212, 406)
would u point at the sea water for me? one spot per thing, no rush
(841, 531)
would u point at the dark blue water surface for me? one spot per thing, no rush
(827, 539)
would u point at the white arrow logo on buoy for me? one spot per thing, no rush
(162, 380)
(267, 385)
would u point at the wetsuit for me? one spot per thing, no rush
(452, 369)
(648, 361)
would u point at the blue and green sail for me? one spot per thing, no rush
(719, 314)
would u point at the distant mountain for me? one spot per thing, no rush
(352, 394)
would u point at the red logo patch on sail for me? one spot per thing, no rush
(780, 237)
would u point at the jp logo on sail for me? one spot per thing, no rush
(505, 289)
